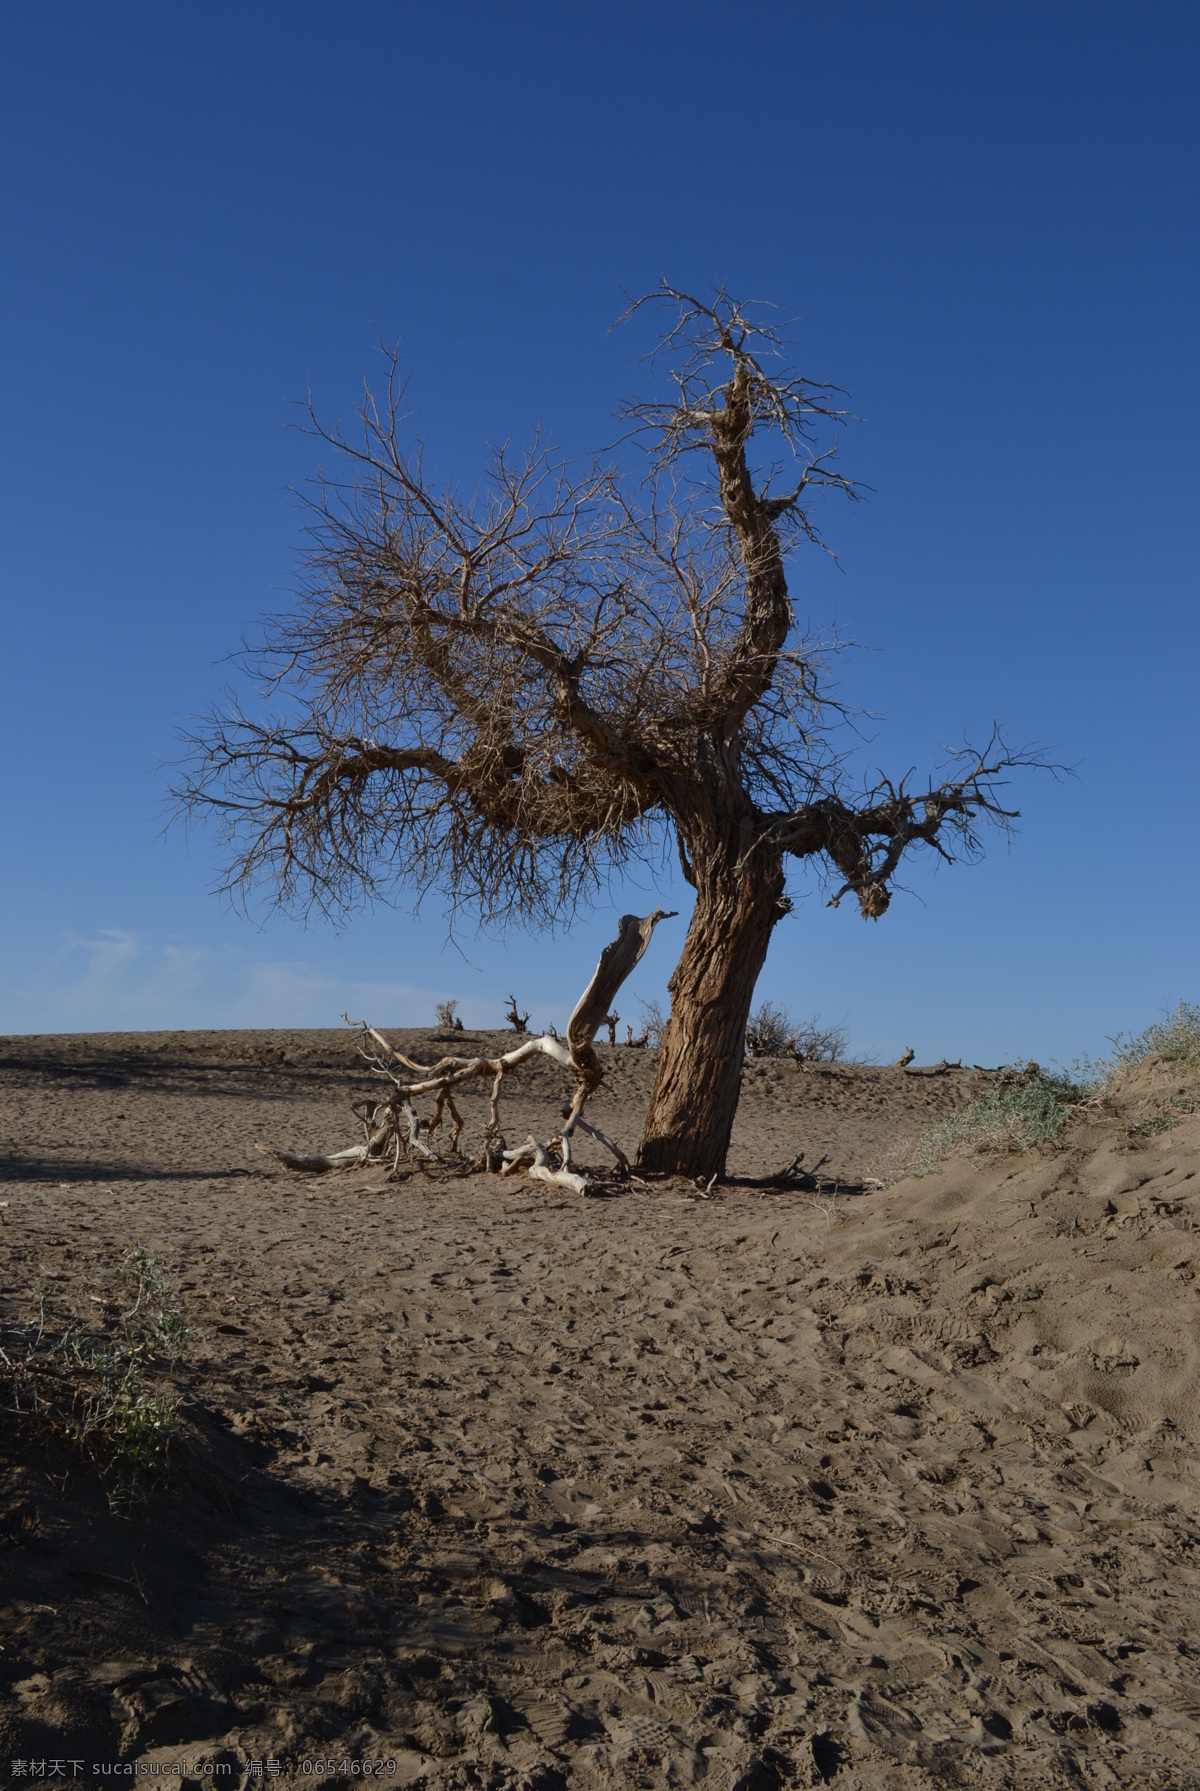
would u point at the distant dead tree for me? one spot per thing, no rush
(507, 696)
(447, 1016)
(516, 1019)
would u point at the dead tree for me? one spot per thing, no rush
(508, 697)
(447, 1018)
(392, 1127)
(516, 1019)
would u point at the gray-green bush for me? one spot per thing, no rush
(1026, 1106)
(1175, 1038)
(101, 1387)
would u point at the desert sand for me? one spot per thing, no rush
(873, 1486)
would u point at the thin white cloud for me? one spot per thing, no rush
(119, 979)
(115, 979)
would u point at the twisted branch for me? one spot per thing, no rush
(392, 1128)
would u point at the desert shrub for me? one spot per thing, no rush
(1025, 1106)
(100, 1386)
(1154, 1123)
(821, 1043)
(1151, 1127)
(654, 1024)
(446, 1012)
(772, 1032)
(1175, 1038)
(894, 1163)
(1028, 1106)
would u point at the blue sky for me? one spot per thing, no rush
(984, 218)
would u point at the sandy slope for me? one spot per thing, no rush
(885, 1490)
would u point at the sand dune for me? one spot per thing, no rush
(894, 1489)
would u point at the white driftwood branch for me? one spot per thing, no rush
(537, 1157)
(583, 1125)
(342, 1159)
(392, 1128)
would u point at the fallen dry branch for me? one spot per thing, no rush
(795, 1176)
(392, 1127)
(787, 1174)
(931, 1069)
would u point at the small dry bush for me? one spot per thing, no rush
(772, 1032)
(100, 1385)
(893, 1164)
(820, 1043)
(447, 1016)
(654, 1024)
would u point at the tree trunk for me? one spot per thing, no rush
(699, 1078)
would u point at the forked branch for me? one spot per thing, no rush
(867, 840)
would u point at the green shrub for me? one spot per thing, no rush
(1170, 1116)
(1025, 1106)
(100, 1387)
(1175, 1038)
(1150, 1128)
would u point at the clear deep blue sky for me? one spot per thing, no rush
(984, 217)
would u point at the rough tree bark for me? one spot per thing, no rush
(699, 1078)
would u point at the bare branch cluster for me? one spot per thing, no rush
(772, 1032)
(706, 341)
(507, 696)
(392, 1127)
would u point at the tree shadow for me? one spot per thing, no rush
(235, 1588)
(55, 1171)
